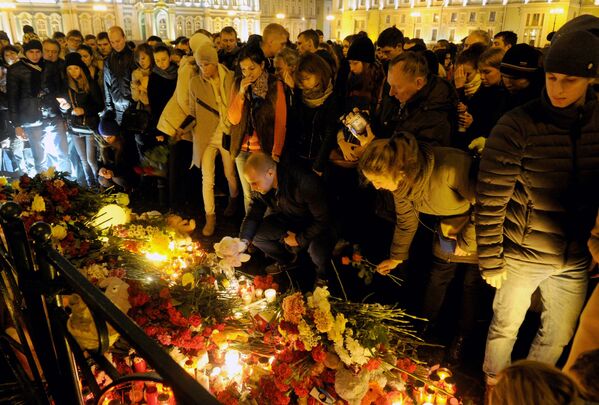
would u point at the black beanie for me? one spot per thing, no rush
(108, 125)
(361, 50)
(520, 61)
(574, 53)
(33, 44)
(74, 59)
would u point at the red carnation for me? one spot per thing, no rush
(319, 354)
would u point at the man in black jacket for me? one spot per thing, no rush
(298, 217)
(118, 67)
(25, 93)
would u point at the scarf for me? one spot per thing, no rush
(260, 86)
(316, 97)
(169, 74)
(472, 86)
(36, 76)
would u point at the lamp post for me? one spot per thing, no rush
(555, 11)
(414, 15)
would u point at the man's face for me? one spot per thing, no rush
(390, 52)
(117, 40)
(403, 86)
(104, 47)
(51, 52)
(514, 84)
(74, 42)
(92, 43)
(10, 57)
(304, 46)
(228, 41)
(563, 90)
(260, 182)
(34, 55)
(62, 41)
(500, 43)
(274, 44)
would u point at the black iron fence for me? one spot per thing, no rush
(44, 357)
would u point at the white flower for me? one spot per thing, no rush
(359, 354)
(230, 250)
(351, 387)
(320, 299)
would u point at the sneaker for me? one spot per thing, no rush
(278, 268)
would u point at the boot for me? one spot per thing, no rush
(231, 206)
(456, 350)
(210, 225)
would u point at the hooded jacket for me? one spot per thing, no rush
(24, 92)
(537, 186)
(445, 188)
(431, 115)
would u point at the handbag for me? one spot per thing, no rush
(136, 118)
(76, 124)
(226, 140)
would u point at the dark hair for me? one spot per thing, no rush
(443, 42)
(74, 33)
(89, 36)
(586, 369)
(179, 52)
(216, 35)
(51, 41)
(390, 37)
(178, 39)
(254, 53)
(229, 30)
(147, 49)
(414, 64)
(8, 48)
(86, 48)
(205, 32)
(350, 39)
(314, 64)
(28, 29)
(509, 37)
(319, 32)
(310, 35)
(103, 35)
(418, 43)
(57, 35)
(162, 48)
(471, 55)
(154, 38)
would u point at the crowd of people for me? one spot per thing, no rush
(491, 144)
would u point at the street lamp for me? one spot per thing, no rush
(280, 16)
(556, 11)
(414, 15)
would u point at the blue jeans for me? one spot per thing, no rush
(56, 144)
(36, 137)
(563, 291)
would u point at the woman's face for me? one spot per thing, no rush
(110, 139)
(281, 68)
(469, 71)
(74, 72)
(356, 67)
(345, 48)
(490, 76)
(308, 81)
(564, 90)
(145, 60)
(162, 60)
(11, 57)
(382, 181)
(85, 57)
(447, 60)
(250, 69)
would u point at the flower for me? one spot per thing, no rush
(16, 184)
(58, 183)
(307, 336)
(336, 332)
(345, 261)
(49, 174)
(38, 203)
(324, 320)
(293, 308)
(3, 181)
(351, 387)
(319, 354)
(59, 232)
(122, 199)
(230, 250)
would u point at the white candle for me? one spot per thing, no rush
(247, 298)
(258, 293)
(270, 295)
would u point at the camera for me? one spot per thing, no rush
(356, 124)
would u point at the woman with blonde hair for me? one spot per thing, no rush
(534, 383)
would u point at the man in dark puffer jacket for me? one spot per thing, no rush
(536, 203)
(118, 67)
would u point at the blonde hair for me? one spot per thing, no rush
(491, 57)
(274, 29)
(398, 157)
(79, 85)
(532, 382)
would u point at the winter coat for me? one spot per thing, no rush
(300, 200)
(228, 59)
(177, 108)
(91, 102)
(159, 92)
(444, 188)
(118, 68)
(54, 85)
(207, 121)
(431, 115)
(537, 186)
(382, 123)
(120, 157)
(24, 91)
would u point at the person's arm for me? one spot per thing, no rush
(594, 240)
(107, 84)
(500, 167)
(235, 109)
(280, 122)
(406, 225)
(329, 140)
(13, 92)
(312, 192)
(253, 218)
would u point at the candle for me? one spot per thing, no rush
(204, 381)
(139, 365)
(441, 399)
(247, 298)
(152, 395)
(418, 392)
(430, 395)
(450, 385)
(258, 292)
(443, 373)
(270, 295)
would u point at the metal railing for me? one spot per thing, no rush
(32, 283)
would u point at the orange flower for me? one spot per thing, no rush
(357, 257)
(345, 261)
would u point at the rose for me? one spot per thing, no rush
(38, 204)
(59, 232)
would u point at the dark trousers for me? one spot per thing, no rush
(442, 273)
(269, 239)
(185, 183)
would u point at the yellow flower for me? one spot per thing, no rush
(59, 232)
(3, 181)
(323, 320)
(38, 204)
(122, 199)
(49, 174)
(16, 185)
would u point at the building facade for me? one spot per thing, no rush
(295, 15)
(139, 18)
(453, 20)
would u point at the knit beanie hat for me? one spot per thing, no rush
(574, 53)
(33, 44)
(584, 22)
(74, 58)
(206, 53)
(197, 40)
(361, 50)
(520, 61)
(108, 125)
